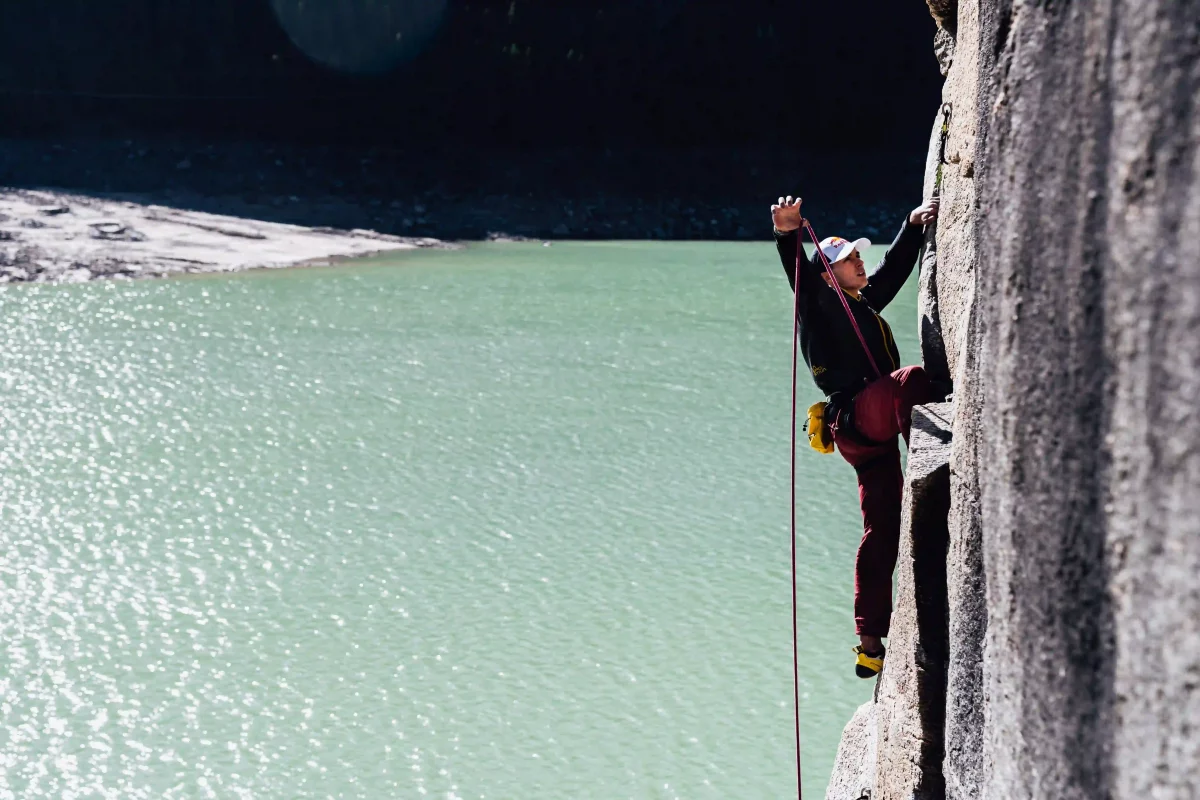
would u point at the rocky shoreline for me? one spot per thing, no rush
(58, 237)
(354, 199)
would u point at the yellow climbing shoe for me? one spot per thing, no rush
(866, 666)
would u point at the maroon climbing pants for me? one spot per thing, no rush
(882, 411)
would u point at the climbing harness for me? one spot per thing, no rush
(841, 293)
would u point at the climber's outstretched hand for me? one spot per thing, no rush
(925, 214)
(785, 215)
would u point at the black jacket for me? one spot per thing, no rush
(831, 350)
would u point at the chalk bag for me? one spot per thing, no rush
(820, 437)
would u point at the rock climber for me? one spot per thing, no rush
(865, 410)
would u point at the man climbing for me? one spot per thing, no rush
(870, 398)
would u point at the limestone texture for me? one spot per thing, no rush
(929, 323)
(949, 303)
(910, 700)
(893, 747)
(955, 237)
(1089, 246)
(1062, 296)
(853, 775)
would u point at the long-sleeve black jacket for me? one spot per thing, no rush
(830, 348)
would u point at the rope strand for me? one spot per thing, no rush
(841, 293)
(795, 369)
(795, 636)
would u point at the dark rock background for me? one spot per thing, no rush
(593, 118)
(507, 72)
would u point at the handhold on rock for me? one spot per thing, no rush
(945, 12)
(943, 49)
(54, 211)
(32, 223)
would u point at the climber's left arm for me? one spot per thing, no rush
(898, 262)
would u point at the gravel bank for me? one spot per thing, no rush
(60, 237)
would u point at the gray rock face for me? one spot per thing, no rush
(948, 306)
(854, 770)
(893, 746)
(954, 289)
(966, 593)
(1089, 240)
(929, 322)
(910, 700)
(943, 49)
(1063, 284)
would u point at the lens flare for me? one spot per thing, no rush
(360, 36)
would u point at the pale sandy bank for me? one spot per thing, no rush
(60, 237)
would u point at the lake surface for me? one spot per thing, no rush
(508, 522)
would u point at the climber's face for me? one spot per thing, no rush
(851, 273)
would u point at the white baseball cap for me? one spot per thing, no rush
(836, 248)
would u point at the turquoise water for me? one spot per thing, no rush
(508, 522)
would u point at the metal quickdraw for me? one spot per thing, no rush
(947, 111)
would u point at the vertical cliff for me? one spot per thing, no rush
(1062, 295)
(895, 745)
(952, 302)
(1089, 244)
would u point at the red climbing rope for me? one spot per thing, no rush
(841, 293)
(795, 367)
(795, 636)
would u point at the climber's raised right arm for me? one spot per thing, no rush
(787, 223)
